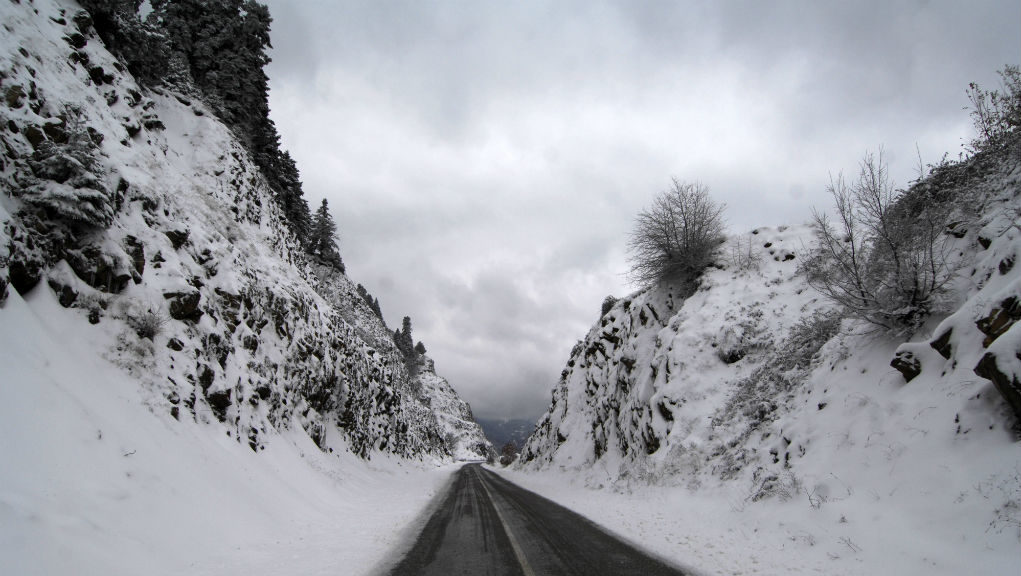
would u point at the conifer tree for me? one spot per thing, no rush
(402, 338)
(322, 240)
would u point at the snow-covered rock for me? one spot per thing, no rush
(753, 391)
(143, 212)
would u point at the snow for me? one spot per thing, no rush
(844, 468)
(95, 483)
(97, 475)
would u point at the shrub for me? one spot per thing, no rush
(996, 114)
(883, 260)
(148, 324)
(677, 237)
(742, 255)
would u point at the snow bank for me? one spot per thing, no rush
(95, 483)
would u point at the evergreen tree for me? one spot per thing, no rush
(322, 241)
(402, 338)
(224, 46)
(142, 45)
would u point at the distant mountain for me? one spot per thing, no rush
(500, 431)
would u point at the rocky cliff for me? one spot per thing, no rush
(137, 208)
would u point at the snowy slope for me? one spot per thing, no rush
(748, 414)
(181, 388)
(460, 431)
(94, 483)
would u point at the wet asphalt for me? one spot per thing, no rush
(488, 526)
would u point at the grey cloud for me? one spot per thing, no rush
(485, 160)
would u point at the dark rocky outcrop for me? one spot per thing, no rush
(1006, 383)
(907, 364)
(999, 319)
(184, 305)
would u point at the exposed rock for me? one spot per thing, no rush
(25, 274)
(54, 129)
(219, 401)
(15, 96)
(184, 305)
(999, 320)
(907, 364)
(942, 344)
(1007, 384)
(66, 295)
(137, 253)
(82, 20)
(76, 40)
(100, 76)
(175, 344)
(1006, 265)
(177, 237)
(98, 269)
(206, 376)
(34, 135)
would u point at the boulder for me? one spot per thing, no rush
(942, 344)
(1000, 319)
(137, 253)
(1006, 381)
(184, 305)
(15, 96)
(219, 401)
(34, 135)
(66, 295)
(907, 364)
(177, 237)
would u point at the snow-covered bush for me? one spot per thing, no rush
(996, 114)
(885, 259)
(149, 323)
(677, 237)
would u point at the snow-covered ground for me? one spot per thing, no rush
(854, 531)
(93, 482)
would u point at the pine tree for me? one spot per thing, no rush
(402, 338)
(322, 238)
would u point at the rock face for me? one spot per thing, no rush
(747, 376)
(139, 212)
(460, 431)
(646, 382)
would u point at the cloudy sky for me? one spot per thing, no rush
(485, 160)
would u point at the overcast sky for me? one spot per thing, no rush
(485, 160)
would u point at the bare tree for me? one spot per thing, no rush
(885, 258)
(676, 238)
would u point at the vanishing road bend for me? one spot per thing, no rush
(486, 525)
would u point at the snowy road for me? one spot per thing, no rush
(486, 525)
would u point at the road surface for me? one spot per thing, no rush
(486, 525)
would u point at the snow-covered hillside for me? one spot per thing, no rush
(752, 402)
(178, 376)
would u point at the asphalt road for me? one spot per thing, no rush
(486, 525)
